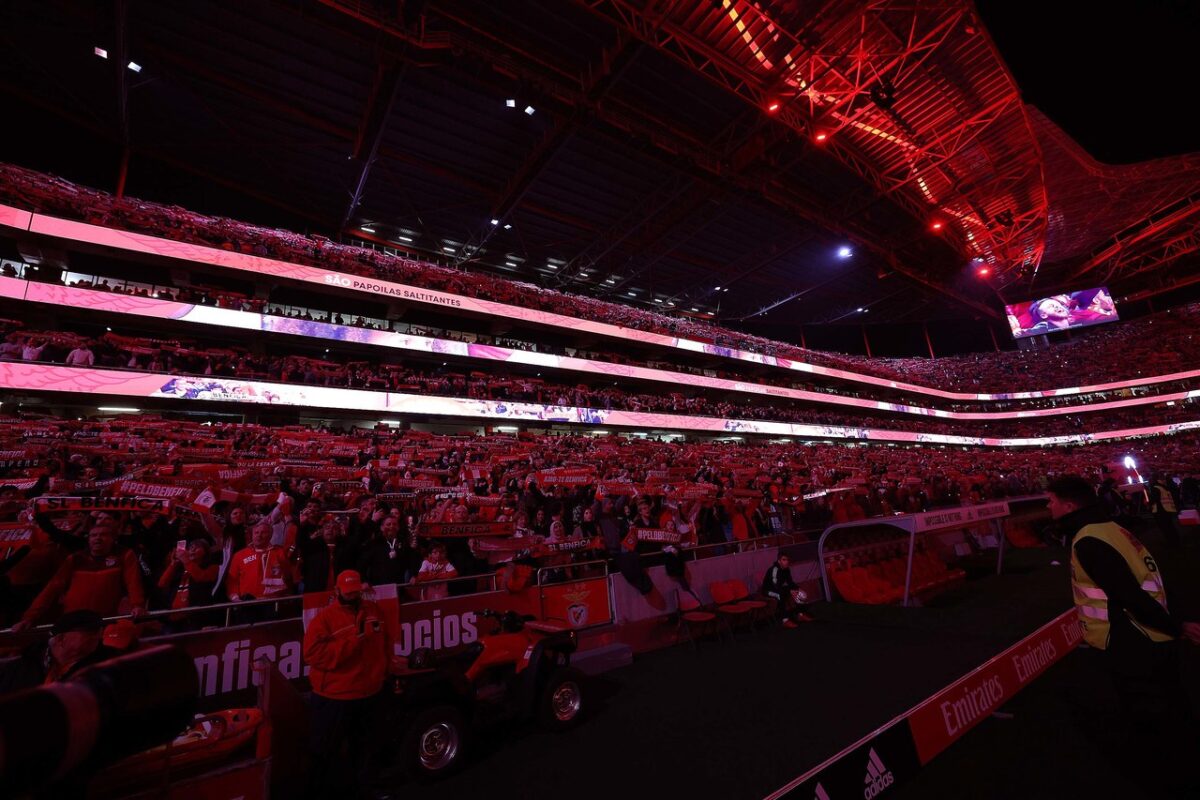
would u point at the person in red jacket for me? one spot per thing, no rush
(97, 579)
(348, 649)
(260, 570)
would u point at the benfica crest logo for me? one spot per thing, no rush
(577, 611)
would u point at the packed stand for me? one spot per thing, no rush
(196, 358)
(1131, 351)
(238, 513)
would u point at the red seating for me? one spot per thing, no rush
(728, 605)
(693, 616)
(759, 608)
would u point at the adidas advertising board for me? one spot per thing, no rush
(870, 768)
(866, 772)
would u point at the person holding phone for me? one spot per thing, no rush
(190, 576)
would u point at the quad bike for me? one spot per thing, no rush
(521, 671)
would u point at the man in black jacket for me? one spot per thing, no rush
(779, 585)
(327, 555)
(386, 559)
(1122, 606)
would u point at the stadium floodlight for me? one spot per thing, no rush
(1130, 463)
(100, 51)
(695, 309)
(529, 110)
(633, 294)
(404, 239)
(134, 66)
(367, 229)
(448, 249)
(495, 221)
(511, 102)
(118, 409)
(508, 226)
(860, 310)
(844, 252)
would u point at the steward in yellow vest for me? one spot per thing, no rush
(1121, 605)
(1162, 503)
(1094, 544)
(1118, 589)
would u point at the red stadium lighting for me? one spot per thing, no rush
(984, 272)
(937, 225)
(773, 107)
(821, 137)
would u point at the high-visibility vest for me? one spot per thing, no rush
(1091, 602)
(1165, 501)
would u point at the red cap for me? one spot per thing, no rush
(349, 581)
(121, 634)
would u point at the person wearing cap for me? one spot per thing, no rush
(75, 643)
(120, 636)
(100, 578)
(349, 651)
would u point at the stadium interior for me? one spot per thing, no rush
(550, 329)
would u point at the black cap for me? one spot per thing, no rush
(80, 620)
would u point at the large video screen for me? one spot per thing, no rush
(1061, 312)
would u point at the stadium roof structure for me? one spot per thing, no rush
(707, 154)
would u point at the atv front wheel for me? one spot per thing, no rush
(560, 705)
(434, 743)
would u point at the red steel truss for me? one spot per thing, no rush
(911, 96)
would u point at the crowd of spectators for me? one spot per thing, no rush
(1130, 349)
(1174, 328)
(272, 364)
(259, 512)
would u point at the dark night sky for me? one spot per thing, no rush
(1119, 77)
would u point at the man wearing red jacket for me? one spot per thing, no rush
(97, 579)
(349, 652)
(260, 570)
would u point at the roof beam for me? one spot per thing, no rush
(370, 130)
(119, 62)
(1150, 228)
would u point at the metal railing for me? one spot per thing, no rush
(231, 608)
(732, 546)
(542, 572)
